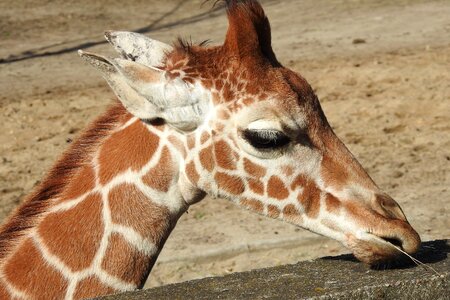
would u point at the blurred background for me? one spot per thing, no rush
(380, 68)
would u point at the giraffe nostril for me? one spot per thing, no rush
(387, 207)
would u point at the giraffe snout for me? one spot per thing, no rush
(387, 240)
(396, 229)
(386, 233)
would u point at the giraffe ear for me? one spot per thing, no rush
(133, 102)
(149, 94)
(137, 47)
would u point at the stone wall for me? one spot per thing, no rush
(339, 277)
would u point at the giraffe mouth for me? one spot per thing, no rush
(374, 249)
(394, 241)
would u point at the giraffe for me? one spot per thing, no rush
(191, 120)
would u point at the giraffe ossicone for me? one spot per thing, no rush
(227, 121)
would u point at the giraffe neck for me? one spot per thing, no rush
(98, 227)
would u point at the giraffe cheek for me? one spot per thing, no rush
(253, 169)
(256, 186)
(206, 158)
(225, 157)
(192, 173)
(333, 205)
(310, 200)
(230, 184)
(276, 188)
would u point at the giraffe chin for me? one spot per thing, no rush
(373, 250)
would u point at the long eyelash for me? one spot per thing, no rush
(268, 134)
(265, 139)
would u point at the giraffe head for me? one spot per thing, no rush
(254, 132)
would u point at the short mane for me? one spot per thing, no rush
(32, 207)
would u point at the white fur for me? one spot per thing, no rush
(138, 47)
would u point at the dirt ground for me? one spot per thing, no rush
(381, 69)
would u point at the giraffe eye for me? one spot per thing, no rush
(265, 138)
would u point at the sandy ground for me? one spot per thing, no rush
(380, 68)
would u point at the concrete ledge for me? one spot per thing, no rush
(340, 277)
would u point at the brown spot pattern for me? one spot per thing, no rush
(125, 262)
(192, 173)
(204, 137)
(299, 181)
(224, 155)
(28, 271)
(227, 93)
(223, 114)
(288, 171)
(56, 181)
(253, 169)
(160, 176)
(332, 203)
(191, 141)
(240, 86)
(310, 196)
(91, 287)
(273, 211)
(252, 204)
(256, 186)
(131, 147)
(290, 213)
(130, 207)
(253, 89)
(207, 84)
(206, 158)
(248, 101)
(219, 126)
(276, 188)
(74, 235)
(229, 183)
(4, 294)
(219, 84)
(82, 182)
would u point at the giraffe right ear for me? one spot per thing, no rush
(133, 102)
(149, 94)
